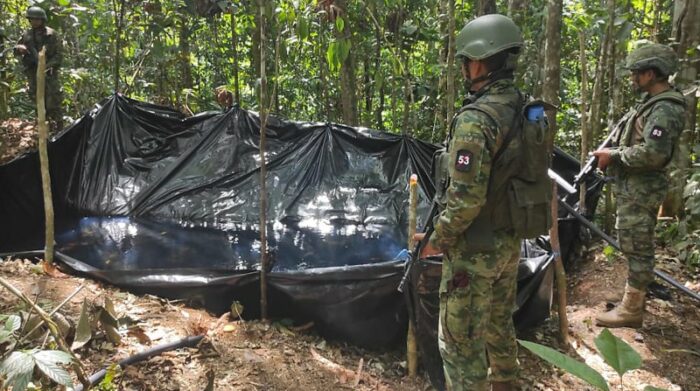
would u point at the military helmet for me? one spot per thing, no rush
(487, 35)
(653, 55)
(35, 12)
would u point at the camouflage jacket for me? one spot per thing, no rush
(650, 137)
(34, 40)
(472, 144)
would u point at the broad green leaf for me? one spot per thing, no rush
(17, 363)
(340, 24)
(576, 368)
(48, 362)
(20, 382)
(12, 323)
(83, 333)
(302, 29)
(617, 353)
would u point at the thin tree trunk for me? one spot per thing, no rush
(597, 97)
(348, 97)
(118, 24)
(184, 43)
(686, 30)
(263, 169)
(552, 55)
(378, 114)
(4, 91)
(486, 7)
(559, 271)
(44, 156)
(450, 77)
(585, 132)
(234, 47)
(550, 93)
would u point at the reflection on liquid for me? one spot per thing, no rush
(129, 243)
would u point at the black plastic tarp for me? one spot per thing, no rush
(154, 202)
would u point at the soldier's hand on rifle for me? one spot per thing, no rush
(603, 156)
(21, 49)
(427, 250)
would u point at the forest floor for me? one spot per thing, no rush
(255, 355)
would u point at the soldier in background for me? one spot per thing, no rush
(639, 165)
(28, 48)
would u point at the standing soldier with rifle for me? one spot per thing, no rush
(639, 164)
(476, 227)
(38, 37)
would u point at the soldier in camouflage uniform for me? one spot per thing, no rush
(28, 48)
(478, 285)
(639, 165)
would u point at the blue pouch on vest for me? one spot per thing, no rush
(535, 113)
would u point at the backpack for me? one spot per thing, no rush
(519, 192)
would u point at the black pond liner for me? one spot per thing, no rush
(153, 202)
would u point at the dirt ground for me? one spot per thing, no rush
(254, 355)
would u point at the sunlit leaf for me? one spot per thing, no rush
(83, 332)
(340, 24)
(617, 353)
(576, 368)
(48, 363)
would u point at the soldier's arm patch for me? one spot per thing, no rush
(657, 132)
(464, 160)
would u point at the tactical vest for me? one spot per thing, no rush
(634, 127)
(519, 191)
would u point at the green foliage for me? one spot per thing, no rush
(107, 383)
(616, 353)
(576, 368)
(18, 367)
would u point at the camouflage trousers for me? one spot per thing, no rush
(53, 98)
(638, 200)
(477, 299)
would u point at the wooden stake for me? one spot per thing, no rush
(559, 269)
(263, 169)
(44, 156)
(411, 343)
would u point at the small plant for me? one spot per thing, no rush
(17, 367)
(616, 353)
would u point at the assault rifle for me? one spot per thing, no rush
(415, 254)
(592, 162)
(665, 277)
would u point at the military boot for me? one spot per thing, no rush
(628, 314)
(502, 386)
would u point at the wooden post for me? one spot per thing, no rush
(559, 269)
(411, 343)
(44, 155)
(263, 169)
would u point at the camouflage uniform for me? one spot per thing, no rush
(478, 288)
(640, 169)
(34, 40)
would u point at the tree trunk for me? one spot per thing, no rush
(450, 77)
(686, 30)
(597, 97)
(234, 48)
(348, 97)
(263, 169)
(184, 43)
(552, 55)
(486, 7)
(378, 114)
(585, 132)
(4, 91)
(118, 25)
(44, 156)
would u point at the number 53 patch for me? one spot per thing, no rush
(464, 161)
(657, 132)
